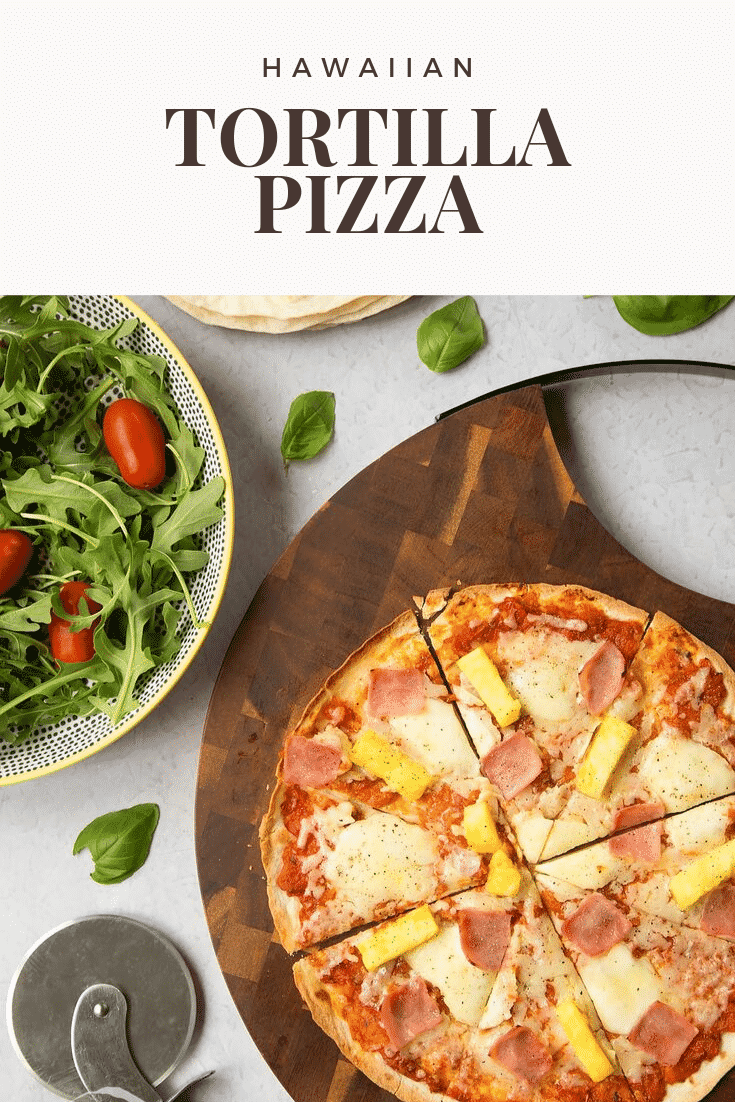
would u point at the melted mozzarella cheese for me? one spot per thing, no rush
(621, 987)
(547, 683)
(532, 830)
(481, 728)
(702, 827)
(589, 868)
(566, 833)
(382, 858)
(682, 773)
(435, 738)
(442, 962)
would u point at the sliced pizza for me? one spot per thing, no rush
(681, 868)
(554, 719)
(682, 752)
(664, 993)
(471, 997)
(538, 672)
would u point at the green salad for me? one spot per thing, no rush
(137, 549)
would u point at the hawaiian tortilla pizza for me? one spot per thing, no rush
(502, 840)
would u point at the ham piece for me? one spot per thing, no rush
(512, 765)
(309, 763)
(718, 916)
(635, 814)
(521, 1052)
(601, 678)
(663, 1033)
(407, 1011)
(395, 693)
(596, 925)
(642, 844)
(484, 936)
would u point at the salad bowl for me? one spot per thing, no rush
(70, 738)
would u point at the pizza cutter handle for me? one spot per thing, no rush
(100, 1047)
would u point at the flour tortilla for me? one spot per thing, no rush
(282, 313)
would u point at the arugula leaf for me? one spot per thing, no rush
(450, 335)
(196, 511)
(119, 643)
(60, 444)
(15, 616)
(97, 508)
(36, 697)
(309, 425)
(189, 458)
(119, 842)
(659, 315)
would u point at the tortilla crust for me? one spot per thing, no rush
(442, 608)
(284, 313)
(272, 846)
(706, 1077)
(316, 996)
(272, 306)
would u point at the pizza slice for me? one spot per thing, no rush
(380, 803)
(333, 864)
(537, 672)
(382, 730)
(664, 993)
(471, 997)
(689, 726)
(681, 868)
(682, 752)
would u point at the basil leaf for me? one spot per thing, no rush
(659, 315)
(119, 842)
(448, 336)
(309, 425)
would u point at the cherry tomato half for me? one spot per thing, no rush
(134, 439)
(15, 554)
(68, 645)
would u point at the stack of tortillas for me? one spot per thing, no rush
(282, 313)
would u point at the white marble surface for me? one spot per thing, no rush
(653, 455)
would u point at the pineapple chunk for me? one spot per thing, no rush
(400, 772)
(583, 1041)
(702, 875)
(479, 828)
(397, 937)
(504, 877)
(608, 745)
(482, 672)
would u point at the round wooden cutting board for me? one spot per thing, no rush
(481, 496)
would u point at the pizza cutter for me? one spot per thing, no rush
(102, 1010)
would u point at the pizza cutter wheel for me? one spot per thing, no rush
(102, 1008)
